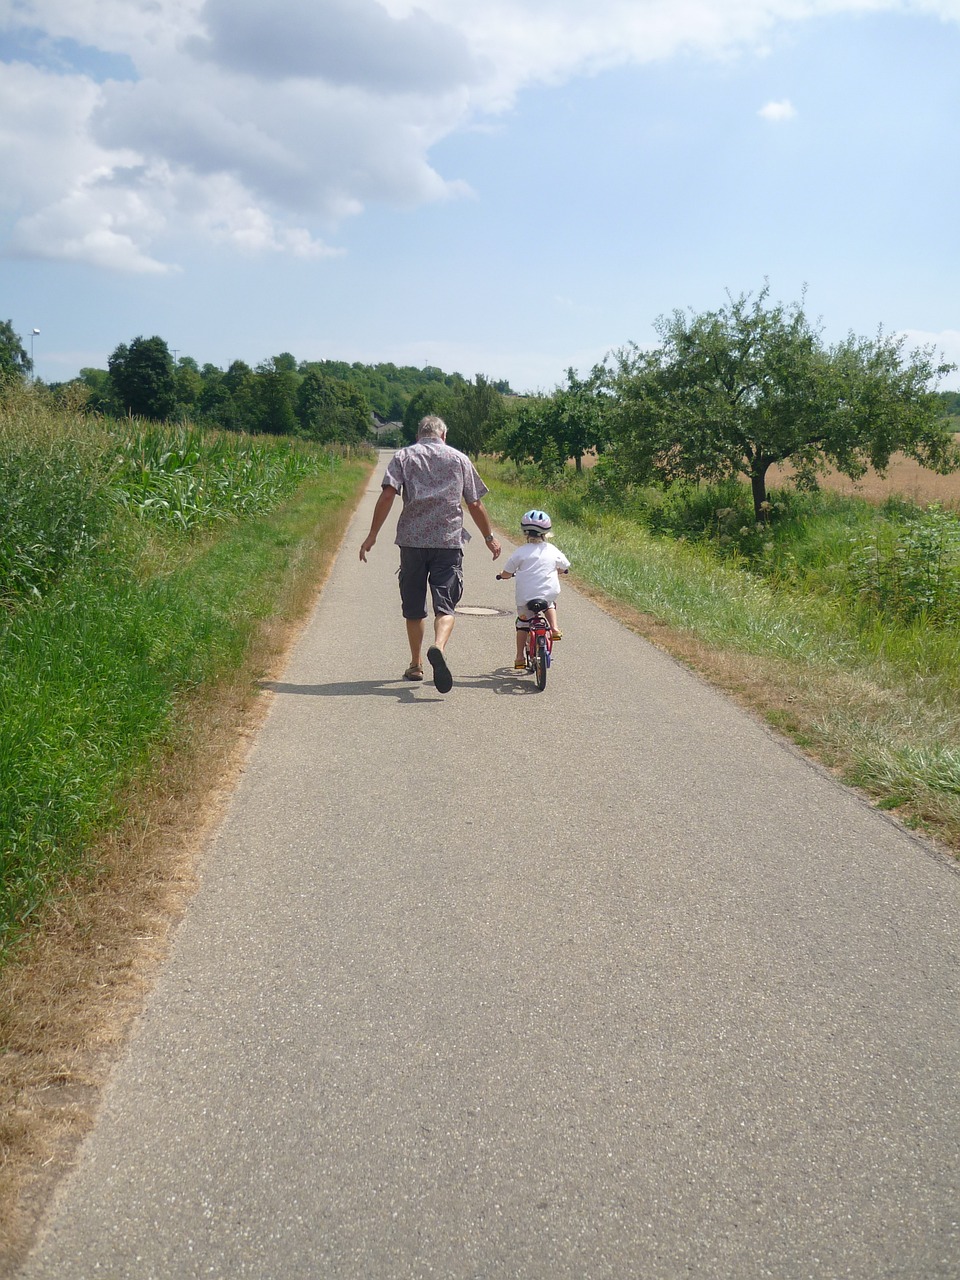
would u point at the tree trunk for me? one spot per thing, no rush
(758, 484)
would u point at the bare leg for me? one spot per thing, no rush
(551, 617)
(521, 644)
(442, 626)
(415, 632)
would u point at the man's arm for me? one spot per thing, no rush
(480, 518)
(380, 513)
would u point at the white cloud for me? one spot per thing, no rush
(345, 42)
(265, 128)
(777, 111)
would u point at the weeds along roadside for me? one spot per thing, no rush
(790, 622)
(138, 564)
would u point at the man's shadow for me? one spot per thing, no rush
(501, 682)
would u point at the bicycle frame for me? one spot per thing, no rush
(539, 642)
(539, 630)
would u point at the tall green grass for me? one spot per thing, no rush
(190, 479)
(116, 609)
(876, 681)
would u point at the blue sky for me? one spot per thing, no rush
(509, 187)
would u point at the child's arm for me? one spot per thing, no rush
(504, 575)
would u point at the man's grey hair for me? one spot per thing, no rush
(432, 428)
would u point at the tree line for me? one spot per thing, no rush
(729, 392)
(732, 392)
(328, 401)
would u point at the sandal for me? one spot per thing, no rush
(413, 672)
(520, 665)
(556, 635)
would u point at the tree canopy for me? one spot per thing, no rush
(142, 374)
(736, 390)
(474, 414)
(14, 362)
(547, 430)
(329, 409)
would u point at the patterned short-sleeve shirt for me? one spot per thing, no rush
(432, 478)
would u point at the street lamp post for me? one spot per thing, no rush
(33, 372)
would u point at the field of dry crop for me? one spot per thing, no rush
(904, 477)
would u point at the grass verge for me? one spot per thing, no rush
(72, 984)
(875, 701)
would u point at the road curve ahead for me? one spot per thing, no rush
(601, 982)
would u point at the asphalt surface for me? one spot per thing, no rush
(601, 982)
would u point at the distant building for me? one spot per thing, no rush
(381, 427)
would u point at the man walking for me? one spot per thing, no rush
(433, 479)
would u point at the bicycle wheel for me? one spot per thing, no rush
(540, 663)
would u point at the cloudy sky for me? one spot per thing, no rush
(509, 187)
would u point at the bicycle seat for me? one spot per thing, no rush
(537, 606)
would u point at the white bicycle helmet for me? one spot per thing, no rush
(536, 521)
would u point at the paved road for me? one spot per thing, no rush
(599, 982)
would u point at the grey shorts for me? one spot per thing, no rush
(440, 568)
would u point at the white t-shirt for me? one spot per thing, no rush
(536, 566)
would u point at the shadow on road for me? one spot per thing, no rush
(501, 682)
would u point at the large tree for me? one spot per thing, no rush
(331, 410)
(143, 377)
(433, 398)
(274, 397)
(736, 390)
(474, 414)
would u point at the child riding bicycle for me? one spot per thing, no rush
(537, 567)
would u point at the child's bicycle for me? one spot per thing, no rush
(539, 641)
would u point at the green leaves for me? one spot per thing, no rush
(142, 374)
(909, 569)
(190, 479)
(736, 390)
(548, 430)
(52, 513)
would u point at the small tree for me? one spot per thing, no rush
(143, 378)
(737, 390)
(547, 430)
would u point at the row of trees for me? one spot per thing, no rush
(727, 392)
(325, 400)
(734, 391)
(319, 400)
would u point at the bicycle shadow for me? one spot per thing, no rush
(505, 682)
